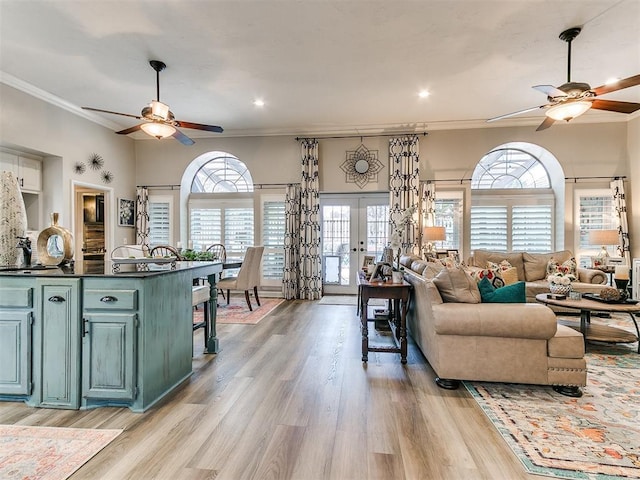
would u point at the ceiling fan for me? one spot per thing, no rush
(572, 99)
(158, 120)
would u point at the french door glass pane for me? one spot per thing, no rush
(336, 231)
(377, 229)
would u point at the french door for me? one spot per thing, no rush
(352, 227)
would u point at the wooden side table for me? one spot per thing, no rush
(399, 294)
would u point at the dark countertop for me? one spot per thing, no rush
(74, 271)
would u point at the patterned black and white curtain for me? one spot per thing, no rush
(620, 204)
(142, 216)
(404, 189)
(427, 208)
(310, 261)
(291, 275)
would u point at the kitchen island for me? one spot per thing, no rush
(78, 340)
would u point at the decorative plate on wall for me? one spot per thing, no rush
(361, 166)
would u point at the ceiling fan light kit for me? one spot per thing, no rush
(568, 111)
(157, 120)
(158, 129)
(572, 99)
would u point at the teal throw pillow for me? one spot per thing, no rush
(514, 293)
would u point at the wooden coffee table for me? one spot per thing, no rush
(602, 333)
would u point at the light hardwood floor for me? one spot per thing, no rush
(290, 398)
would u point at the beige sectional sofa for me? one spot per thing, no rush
(532, 269)
(495, 342)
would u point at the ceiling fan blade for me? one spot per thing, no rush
(619, 85)
(548, 121)
(615, 106)
(513, 114)
(127, 131)
(199, 126)
(182, 138)
(550, 91)
(113, 113)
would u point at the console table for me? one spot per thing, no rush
(399, 294)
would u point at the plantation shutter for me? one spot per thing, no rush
(531, 228)
(489, 228)
(273, 232)
(205, 227)
(159, 211)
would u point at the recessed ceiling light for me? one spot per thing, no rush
(258, 102)
(423, 93)
(612, 80)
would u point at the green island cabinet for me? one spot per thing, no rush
(83, 341)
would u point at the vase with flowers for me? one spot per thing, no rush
(560, 282)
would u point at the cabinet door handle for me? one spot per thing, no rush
(108, 299)
(85, 325)
(56, 299)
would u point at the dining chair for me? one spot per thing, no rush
(248, 276)
(219, 252)
(165, 251)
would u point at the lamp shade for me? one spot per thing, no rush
(568, 110)
(158, 129)
(604, 237)
(434, 234)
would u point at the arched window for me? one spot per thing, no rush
(222, 173)
(513, 202)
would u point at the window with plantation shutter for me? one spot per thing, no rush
(595, 211)
(205, 227)
(160, 218)
(512, 200)
(238, 230)
(448, 214)
(273, 230)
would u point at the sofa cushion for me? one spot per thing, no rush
(481, 257)
(566, 343)
(514, 293)
(431, 269)
(535, 264)
(456, 285)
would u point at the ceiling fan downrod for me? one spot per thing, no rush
(158, 66)
(568, 36)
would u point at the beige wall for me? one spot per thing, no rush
(610, 149)
(63, 138)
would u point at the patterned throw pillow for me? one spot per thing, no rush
(508, 272)
(491, 274)
(568, 267)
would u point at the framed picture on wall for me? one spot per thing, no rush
(126, 212)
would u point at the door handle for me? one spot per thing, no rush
(354, 249)
(56, 299)
(362, 249)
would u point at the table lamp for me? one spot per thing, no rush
(433, 234)
(604, 238)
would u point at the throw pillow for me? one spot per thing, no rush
(491, 274)
(508, 272)
(514, 293)
(568, 267)
(456, 285)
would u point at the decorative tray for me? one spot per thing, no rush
(596, 297)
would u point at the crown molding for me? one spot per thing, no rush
(311, 131)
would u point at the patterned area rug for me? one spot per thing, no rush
(48, 453)
(596, 436)
(238, 312)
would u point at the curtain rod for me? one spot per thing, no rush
(424, 134)
(256, 185)
(574, 179)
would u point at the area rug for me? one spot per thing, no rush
(238, 312)
(48, 453)
(593, 437)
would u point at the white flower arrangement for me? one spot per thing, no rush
(395, 242)
(560, 278)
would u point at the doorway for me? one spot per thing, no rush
(352, 227)
(91, 223)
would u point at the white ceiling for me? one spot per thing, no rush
(320, 66)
